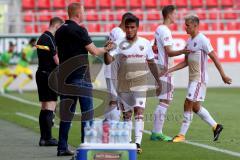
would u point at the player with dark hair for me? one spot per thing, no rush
(4, 67)
(110, 71)
(131, 53)
(23, 64)
(164, 44)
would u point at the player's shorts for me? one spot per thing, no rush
(19, 70)
(129, 100)
(45, 94)
(5, 72)
(167, 88)
(196, 91)
(112, 87)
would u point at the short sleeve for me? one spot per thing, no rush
(207, 47)
(115, 51)
(83, 36)
(166, 38)
(52, 46)
(150, 54)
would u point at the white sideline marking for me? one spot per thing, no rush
(20, 100)
(31, 118)
(236, 154)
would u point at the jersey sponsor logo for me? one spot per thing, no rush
(194, 44)
(166, 39)
(135, 56)
(141, 48)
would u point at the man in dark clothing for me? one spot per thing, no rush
(47, 61)
(73, 41)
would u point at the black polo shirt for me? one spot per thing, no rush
(71, 40)
(45, 57)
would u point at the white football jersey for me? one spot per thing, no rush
(163, 37)
(134, 64)
(110, 71)
(198, 58)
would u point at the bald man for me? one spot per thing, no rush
(73, 40)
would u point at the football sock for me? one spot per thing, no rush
(8, 82)
(139, 126)
(205, 115)
(187, 119)
(159, 117)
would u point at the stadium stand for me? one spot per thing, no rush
(214, 14)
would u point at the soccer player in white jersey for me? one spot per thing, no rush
(201, 48)
(134, 55)
(110, 71)
(164, 42)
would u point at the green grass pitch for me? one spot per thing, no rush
(222, 103)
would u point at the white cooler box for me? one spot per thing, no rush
(97, 151)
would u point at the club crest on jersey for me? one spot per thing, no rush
(141, 48)
(166, 38)
(194, 44)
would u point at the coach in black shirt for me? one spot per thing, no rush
(47, 61)
(74, 43)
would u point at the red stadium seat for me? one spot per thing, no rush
(212, 3)
(90, 4)
(135, 3)
(72, 1)
(120, 3)
(42, 28)
(182, 3)
(151, 3)
(233, 26)
(214, 13)
(28, 4)
(227, 3)
(93, 27)
(107, 27)
(91, 15)
(44, 15)
(30, 28)
(120, 13)
(152, 27)
(140, 28)
(203, 26)
(105, 3)
(201, 13)
(229, 13)
(106, 14)
(153, 14)
(196, 3)
(182, 13)
(138, 13)
(28, 16)
(174, 27)
(217, 26)
(59, 4)
(165, 2)
(61, 13)
(42, 4)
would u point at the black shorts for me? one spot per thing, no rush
(45, 94)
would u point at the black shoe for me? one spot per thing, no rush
(139, 149)
(217, 132)
(65, 153)
(50, 142)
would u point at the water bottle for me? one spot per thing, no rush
(93, 134)
(87, 132)
(105, 131)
